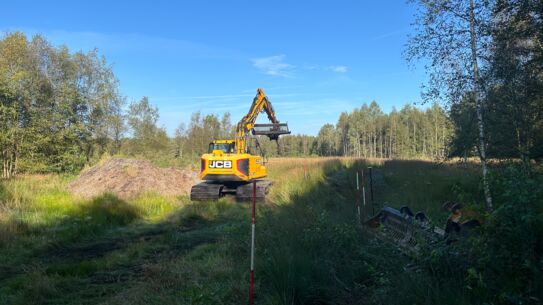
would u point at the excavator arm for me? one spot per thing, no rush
(247, 123)
(260, 103)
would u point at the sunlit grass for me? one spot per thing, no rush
(43, 200)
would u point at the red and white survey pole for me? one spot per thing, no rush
(253, 222)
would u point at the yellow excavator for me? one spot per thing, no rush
(230, 165)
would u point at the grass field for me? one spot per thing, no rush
(58, 249)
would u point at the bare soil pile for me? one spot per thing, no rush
(128, 178)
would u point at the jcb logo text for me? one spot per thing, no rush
(220, 164)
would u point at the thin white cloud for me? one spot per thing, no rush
(201, 97)
(318, 107)
(311, 67)
(339, 69)
(334, 68)
(212, 98)
(133, 43)
(273, 65)
(391, 33)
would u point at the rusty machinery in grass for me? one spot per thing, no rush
(408, 230)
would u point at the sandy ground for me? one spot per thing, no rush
(128, 178)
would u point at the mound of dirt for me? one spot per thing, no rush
(127, 178)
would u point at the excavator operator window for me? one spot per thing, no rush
(227, 148)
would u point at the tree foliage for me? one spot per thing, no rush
(454, 35)
(57, 109)
(370, 133)
(147, 138)
(513, 102)
(516, 95)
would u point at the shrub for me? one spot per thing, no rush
(507, 255)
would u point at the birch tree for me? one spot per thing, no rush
(453, 36)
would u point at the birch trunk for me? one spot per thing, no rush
(478, 106)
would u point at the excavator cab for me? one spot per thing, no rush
(272, 131)
(226, 146)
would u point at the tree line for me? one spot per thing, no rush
(368, 132)
(61, 110)
(365, 132)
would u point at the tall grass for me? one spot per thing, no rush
(313, 250)
(425, 186)
(59, 249)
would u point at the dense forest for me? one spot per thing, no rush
(61, 110)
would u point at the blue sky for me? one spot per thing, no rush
(314, 59)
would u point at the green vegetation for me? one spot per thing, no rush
(370, 133)
(57, 109)
(57, 249)
(484, 60)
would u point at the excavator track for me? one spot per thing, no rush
(243, 192)
(206, 191)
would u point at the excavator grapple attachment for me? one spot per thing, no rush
(273, 131)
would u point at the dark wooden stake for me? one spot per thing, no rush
(371, 191)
